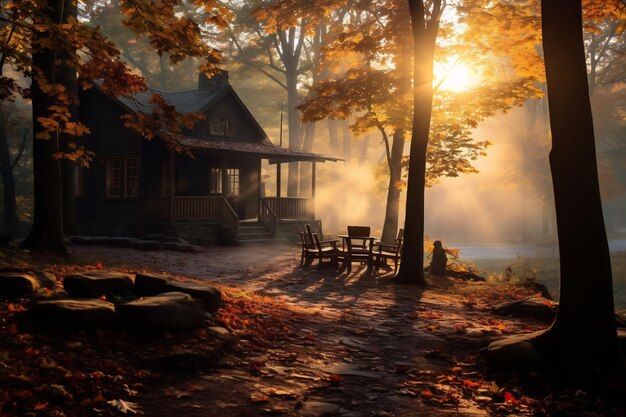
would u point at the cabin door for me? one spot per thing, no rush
(233, 192)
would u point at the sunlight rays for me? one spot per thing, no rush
(455, 76)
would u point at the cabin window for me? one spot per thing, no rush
(215, 181)
(131, 177)
(79, 181)
(233, 181)
(114, 178)
(222, 127)
(122, 177)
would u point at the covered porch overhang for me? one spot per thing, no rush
(270, 209)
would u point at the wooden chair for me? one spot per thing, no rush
(323, 249)
(393, 251)
(308, 250)
(359, 246)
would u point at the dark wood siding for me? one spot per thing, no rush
(108, 138)
(230, 108)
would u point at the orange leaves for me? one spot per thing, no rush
(468, 383)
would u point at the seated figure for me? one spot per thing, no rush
(439, 262)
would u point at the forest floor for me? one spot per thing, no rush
(307, 342)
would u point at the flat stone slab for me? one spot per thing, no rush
(152, 284)
(537, 307)
(167, 311)
(74, 313)
(97, 284)
(210, 297)
(17, 284)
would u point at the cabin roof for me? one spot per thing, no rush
(264, 149)
(187, 101)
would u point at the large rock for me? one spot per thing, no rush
(178, 247)
(46, 279)
(515, 352)
(17, 284)
(537, 307)
(167, 311)
(96, 284)
(211, 297)
(74, 313)
(152, 284)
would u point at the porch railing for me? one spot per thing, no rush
(230, 217)
(290, 207)
(193, 208)
(268, 217)
(198, 208)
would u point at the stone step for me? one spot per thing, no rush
(253, 229)
(254, 236)
(258, 241)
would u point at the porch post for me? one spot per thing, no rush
(313, 172)
(278, 185)
(259, 188)
(224, 176)
(172, 184)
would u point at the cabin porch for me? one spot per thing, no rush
(226, 187)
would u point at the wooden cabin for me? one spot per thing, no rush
(136, 187)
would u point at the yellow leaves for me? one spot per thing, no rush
(48, 123)
(76, 129)
(400, 185)
(43, 135)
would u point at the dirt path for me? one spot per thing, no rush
(361, 347)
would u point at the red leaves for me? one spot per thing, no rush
(471, 384)
(510, 399)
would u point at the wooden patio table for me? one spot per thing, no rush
(363, 251)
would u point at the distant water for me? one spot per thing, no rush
(513, 251)
(493, 260)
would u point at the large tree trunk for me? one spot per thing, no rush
(424, 37)
(46, 234)
(332, 136)
(390, 227)
(306, 167)
(583, 333)
(294, 126)
(8, 181)
(67, 77)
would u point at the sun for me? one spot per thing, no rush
(454, 76)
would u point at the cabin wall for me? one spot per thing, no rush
(155, 157)
(108, 138)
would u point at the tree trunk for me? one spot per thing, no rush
(306, 167)
(390, 227)
(67, 77)
(46, 234)
(363, 147)
(347, 140)
(294, 127)
(583, 334)
(332, 136)
(424, 37)
(8, 181)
